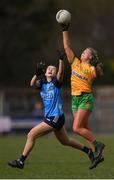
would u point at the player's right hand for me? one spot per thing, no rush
(40, 68)
(64, 27)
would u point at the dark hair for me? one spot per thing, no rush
(95, 59)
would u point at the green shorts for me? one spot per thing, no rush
(83, 101)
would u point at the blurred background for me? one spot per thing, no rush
(30, 33)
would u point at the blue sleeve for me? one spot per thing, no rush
(39, 84)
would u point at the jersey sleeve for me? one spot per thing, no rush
(75, 60)
(39, 83)
(93, 72)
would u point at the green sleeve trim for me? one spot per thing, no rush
(73, 60)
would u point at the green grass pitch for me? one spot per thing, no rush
(51, 160)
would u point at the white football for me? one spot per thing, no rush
(63, 16)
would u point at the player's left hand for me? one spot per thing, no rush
(61, 54)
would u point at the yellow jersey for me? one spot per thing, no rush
(82, 76)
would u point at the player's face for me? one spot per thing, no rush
(51, 71)
(86, 55)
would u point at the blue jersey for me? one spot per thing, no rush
(51, 95)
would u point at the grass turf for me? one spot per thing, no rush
(50, 160)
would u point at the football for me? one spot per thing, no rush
(63, 16)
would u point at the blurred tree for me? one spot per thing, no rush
(23, 34)
(29, 32)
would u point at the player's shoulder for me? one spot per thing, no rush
(92, 71)
(75, 60)
(41, 81)
(56, 82)
(92, 68)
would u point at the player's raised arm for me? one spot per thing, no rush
(61, 55)
(40, 68)
(66, 42)
(33, 80)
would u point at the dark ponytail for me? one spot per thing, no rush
(96, 63)
(95, 59)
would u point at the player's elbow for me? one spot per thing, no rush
(31, 84)
(33, 80)
(66, 46)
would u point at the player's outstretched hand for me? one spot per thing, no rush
(40, 68)
(61, 54)
(64, 27)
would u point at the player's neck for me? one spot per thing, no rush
(49, 78)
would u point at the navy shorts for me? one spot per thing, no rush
(56, 122)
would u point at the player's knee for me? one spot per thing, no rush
(31, 135)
